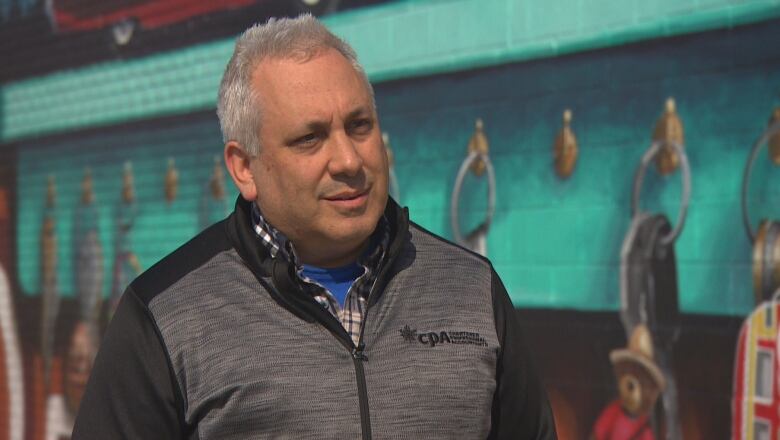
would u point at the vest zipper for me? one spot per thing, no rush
(357, 352)
(358, 357)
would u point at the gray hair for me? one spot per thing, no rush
(298, 38)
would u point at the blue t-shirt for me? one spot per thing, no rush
(337, 280)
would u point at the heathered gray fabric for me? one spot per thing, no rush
(248, 368)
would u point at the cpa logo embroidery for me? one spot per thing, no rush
(408, 334)
(442, 337)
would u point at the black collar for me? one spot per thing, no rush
(281, 272)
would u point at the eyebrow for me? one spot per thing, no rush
(360, 111)
(324, 125)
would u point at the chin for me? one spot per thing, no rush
(356, 231)
(353, 230)
(352, 225)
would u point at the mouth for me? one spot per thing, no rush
(347, 195)
(349, 199)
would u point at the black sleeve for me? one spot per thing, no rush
(520, 406)
(131, 392)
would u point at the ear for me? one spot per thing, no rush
(238, 164)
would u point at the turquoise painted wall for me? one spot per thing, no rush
(555, 243)
(160, 226)
(396, 40)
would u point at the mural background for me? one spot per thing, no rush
(77, 100)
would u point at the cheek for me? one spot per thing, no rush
(287, 183)
(375, 160)
(379, 155)
(268, 176)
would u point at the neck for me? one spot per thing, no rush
(329, 257)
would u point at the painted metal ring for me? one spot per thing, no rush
(772, 130)
(649, 155)
(491, 176)
(768, 279)
(766, 261)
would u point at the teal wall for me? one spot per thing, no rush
(159, 228)
(400, 39)
(555, 243)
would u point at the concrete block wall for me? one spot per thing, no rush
(555, 243)
(401, 39)
(192, 142)
(414, 37)
(437, 66)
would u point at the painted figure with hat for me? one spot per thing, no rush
(640, 382)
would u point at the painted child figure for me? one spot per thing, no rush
(640, 382)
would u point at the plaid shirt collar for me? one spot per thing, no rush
(273, 240)
(279, 246)
(352, 314)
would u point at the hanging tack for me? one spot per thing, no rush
(758, 262)
(51, 192)
(774, 140)
(766, 261)
(390, 157)
(128, 192)
(171, 181)
(217, 180)
(51, 201)
(50, 301)
(48, 223)
(87, 191)
(478, 144)
(773, 254)
(565, 148)
(668, 128)
(48, 239)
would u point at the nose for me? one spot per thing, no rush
(345, 157)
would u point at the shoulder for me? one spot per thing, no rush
(191, 259)
(440, 254)
(192, 289)
(447, 273)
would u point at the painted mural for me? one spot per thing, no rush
(626, 194)
(56, 32)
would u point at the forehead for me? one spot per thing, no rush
(325, 75)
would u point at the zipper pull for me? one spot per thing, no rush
(357, 353)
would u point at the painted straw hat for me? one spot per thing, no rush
(640, 353)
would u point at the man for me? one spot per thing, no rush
(316, 310)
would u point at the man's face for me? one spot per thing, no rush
(321, 174)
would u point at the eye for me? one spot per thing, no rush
(306, 140)
(361, 126)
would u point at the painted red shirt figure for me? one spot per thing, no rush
(639, 382)
(615, 423)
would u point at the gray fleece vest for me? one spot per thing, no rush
(217, 341)
(249, 368)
